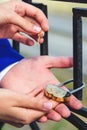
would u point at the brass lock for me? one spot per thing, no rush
(56, 93)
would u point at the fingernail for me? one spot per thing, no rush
(36, 28)
(47, 106)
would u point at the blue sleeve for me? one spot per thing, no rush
(7, 54)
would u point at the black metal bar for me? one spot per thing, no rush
(81, 12)
(44, 46)
(77, 52)
(16, 45)
(82, 111)
(77, 122)
(77, 1)
(34, 126)
(1, 125)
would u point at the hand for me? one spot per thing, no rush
(17, 16)
(32, 73)
(20, 109)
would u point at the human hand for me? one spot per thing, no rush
(17, 16)
(32, 73)
(20, 109)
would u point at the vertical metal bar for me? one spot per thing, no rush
(77, 52)
(1, 125)
(16, 45)
(44, 46)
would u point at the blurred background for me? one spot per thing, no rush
(60, 44)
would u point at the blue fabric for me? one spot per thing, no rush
(7, 54)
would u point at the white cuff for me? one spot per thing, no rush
(3, 72)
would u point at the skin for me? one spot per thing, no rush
(30, 74)
(18, 18)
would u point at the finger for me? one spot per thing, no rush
(63, 110)
(21, 36)
(40, 41)
(74, 103)
(58, 62)
(53, 115)
(37, 14)
(39, 38)
(43, 119)
(27, 26)
(26, 116)
(23, 39)
(32, 102)
(41, 34)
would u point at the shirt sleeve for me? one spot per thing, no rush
(8, 55)
(4, 71)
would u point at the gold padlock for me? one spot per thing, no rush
(56, 93)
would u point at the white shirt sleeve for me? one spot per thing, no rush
(3, 72)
